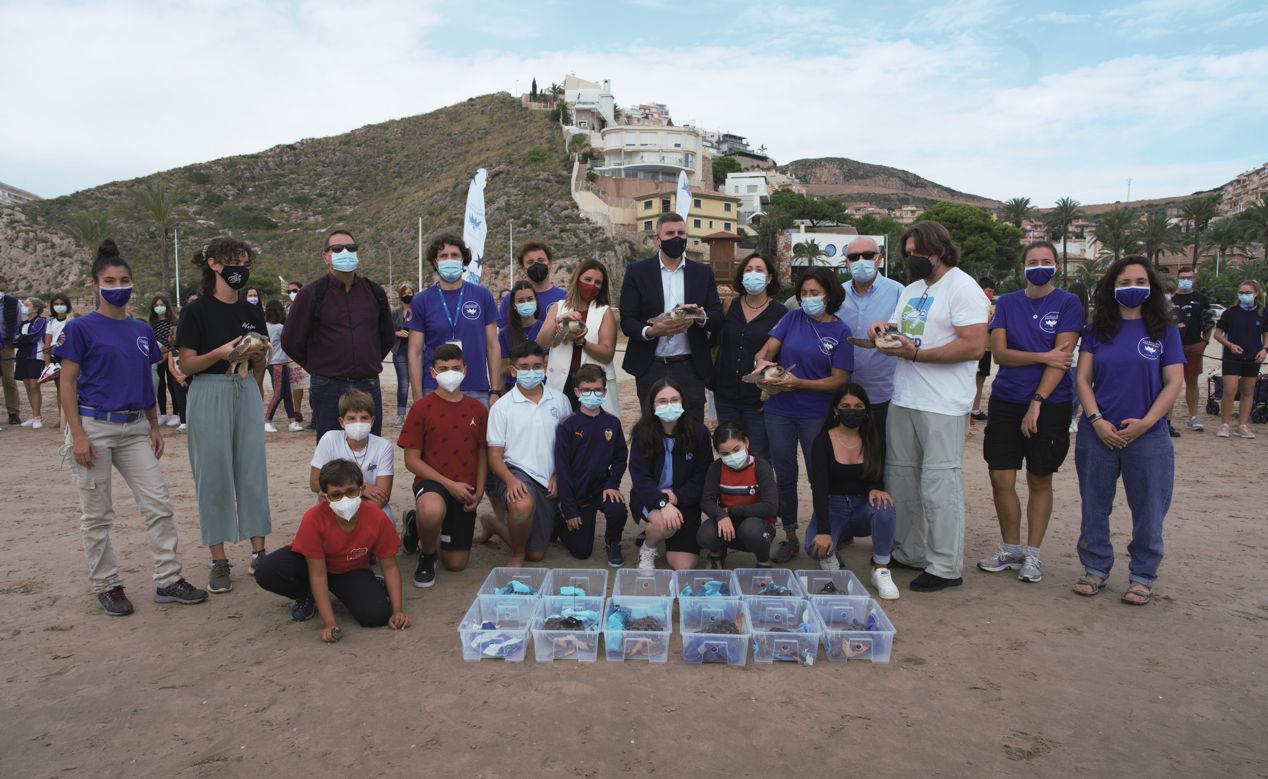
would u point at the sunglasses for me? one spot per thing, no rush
(861, 256)
(341, 247)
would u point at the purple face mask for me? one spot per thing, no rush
(117, 296)
(1131, 297)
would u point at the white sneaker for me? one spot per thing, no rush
(162, 419)
(173, 420)
(268, 427)
(295, 427)
(183, 427)
(400, 420)
(884, 584)
(38, 422)
(28, 422)
(1223, 433)
(1074, 427)
(646, 559)
(1195, 424)
(1031, 569)
(1243, 431)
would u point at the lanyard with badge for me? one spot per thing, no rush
(453, 319)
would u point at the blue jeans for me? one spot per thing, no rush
(401, 363)
(1147, 466)
(853, 515)
(751, 419)
(323, 396)
(784, 433)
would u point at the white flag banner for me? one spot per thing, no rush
(474, 227)
(684, 195)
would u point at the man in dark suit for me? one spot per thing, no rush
(9, 329)
(655, 286)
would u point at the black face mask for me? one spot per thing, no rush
(537, 272)
(852, 417)
(918, 268)
(406, 299)
(673, 247)
(235, 275)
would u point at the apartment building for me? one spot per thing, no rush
(10, 195)
(653, 153)
(1244, 191)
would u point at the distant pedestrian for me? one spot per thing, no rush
(984, 364)
(1243, 331)
(279, 369)
(1193, 317)
(400, 350)
(30, 358)
(163, 322)
(62, 311)
(10, 322)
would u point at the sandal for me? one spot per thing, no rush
(1142, 594)
(1093, 583)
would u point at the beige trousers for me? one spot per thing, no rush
(7, 365)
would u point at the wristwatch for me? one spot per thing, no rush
(1091, 418)
(1039, 398)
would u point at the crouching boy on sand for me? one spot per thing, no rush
(331, 554)
(354, 442)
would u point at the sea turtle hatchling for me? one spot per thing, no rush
(765, 378)
(248, 347)
(686, 312)
(890, 339)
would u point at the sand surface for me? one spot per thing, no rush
(995, 676)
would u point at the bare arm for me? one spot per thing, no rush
(969, 344)
(192, 362)
(1013, 358)
(320, 587)
(313, 483)
(546, 335)
(605, 348)
(414, 351)
(494, 350)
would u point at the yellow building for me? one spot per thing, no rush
(710, 212)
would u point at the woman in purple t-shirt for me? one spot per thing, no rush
(1131, 371)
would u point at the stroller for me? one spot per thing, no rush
(1215, 393)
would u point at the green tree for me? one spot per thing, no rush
(769, 227)
(1059, 219)
(89, 228)
(532, 95)
(1198, 213)
(1091, 270)
(808, 250)
(1227, 236)
(987, 247)
(1157, 236)
(1017, 210)
(155, 199)
(1116, 230)
(722, 166)
(1255, 219)
(817, 211)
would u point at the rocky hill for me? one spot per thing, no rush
(880, 185)
(377, 181)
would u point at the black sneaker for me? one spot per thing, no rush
(303, 609)
(179, 591)
(1172, 431)
(786, 551)
(409, 539)
(615, 558)
(425, 574)
(927, 582)
(256, 559)
(979, 416)
(14, 419)
(114, 602)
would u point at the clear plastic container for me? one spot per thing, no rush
(648, 584)
(696, 583)
(784, 629)
(567, 644)
(842, 616)
(815, 583)
(496, 627)
(532, 578)
(702, 642)
(774, 582)
(621, 644)
(592, 582)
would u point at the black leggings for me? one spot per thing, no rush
(168, 383)
(285, 572)
(580, 542)
(752, 534)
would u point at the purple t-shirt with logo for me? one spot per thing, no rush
(1246, 328)
(814, 348)
(114, 357)
(454, 315)
(1032, 326)
(1127, 371)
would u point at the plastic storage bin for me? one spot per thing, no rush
(496, 627)
(775, 582)
(784, 629)
(815, 583)
(658, 584)
(702, 642)
(532, 578)
(592, 582)
(621, 643)
(576, 643)
(843, 640)
(696, 583)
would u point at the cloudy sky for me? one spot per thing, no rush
(992, 97)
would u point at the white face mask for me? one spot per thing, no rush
(450, 380)
(357, 431)
(291, 295)
(346, 508)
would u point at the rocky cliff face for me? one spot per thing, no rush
(878, 184)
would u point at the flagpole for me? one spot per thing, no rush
(420, 254)
(510, 257)
(176, 238)
(389, 268)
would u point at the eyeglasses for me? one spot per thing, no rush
(595, 393)
(861, 256)
(341, 247)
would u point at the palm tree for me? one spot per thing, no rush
(1227, 236)
(1116, 231)
(156, 200)
(1059, 219)
(1255, 218)
(810, 251)
(1017, 211)
(89, 229)
(1091, 270)
(1199, 212)
(1157, 236)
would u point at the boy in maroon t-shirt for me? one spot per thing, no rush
(445, 448)
(331, 554)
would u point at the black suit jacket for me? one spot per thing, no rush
(9, 310)
(643, 297)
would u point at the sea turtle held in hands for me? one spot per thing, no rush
(890, 339)
(686, 312)
(570, 329)
(765, 378)
(249, 347)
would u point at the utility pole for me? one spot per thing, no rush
(1129, 191)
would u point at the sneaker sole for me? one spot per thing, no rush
(176, 599)
(616, 565)
(993, 569)
(113, 613)
(1030, 580)
(423, 585)
(213, 589)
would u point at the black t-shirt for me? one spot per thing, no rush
(1246, 329)
(208, 323)
(1190, 311)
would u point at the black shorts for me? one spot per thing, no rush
(1247, 369)
(685, 539)
(458, 528)
(984, 365)
(27, 368)
(1004, 447)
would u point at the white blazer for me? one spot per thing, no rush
(559, 358)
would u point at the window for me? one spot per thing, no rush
(647, 205)
(664, 206)
(752, 189)
(696, 222)
(677, 145)
(830, 250)
(726, 226)
(648, 224)
(695, 202)
(710, 224)
(726, 207)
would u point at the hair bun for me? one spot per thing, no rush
(108, 248)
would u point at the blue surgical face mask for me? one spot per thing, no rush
(345, 261)
(117, 296)
(530, 379)
(1247, 299)
(592, 400)
(526, 309)
(813, 306)
(1040, 275)
(863, 270)
(449, 270)
(1131, 297)
(736, 460)
(160, 310)
(754, 282)
(669, 412)
(1185, 285)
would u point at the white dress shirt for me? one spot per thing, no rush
(674, 287)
